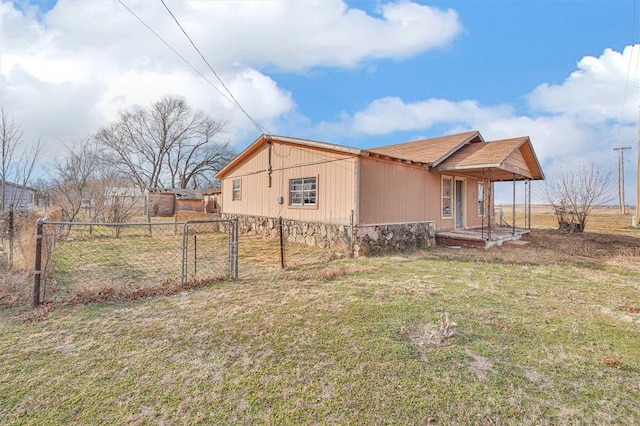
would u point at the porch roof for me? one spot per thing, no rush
(502, 160)
(429, 151)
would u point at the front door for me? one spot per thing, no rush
(459, 203)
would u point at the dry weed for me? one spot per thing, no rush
(15, 287)
(612, 360)
(329, 273)
(626, 306)
(429, 336)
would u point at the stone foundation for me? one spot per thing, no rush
(323, 235)
(368, 239)
(385, 238)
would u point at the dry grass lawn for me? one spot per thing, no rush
(548, 334)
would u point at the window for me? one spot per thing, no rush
(236, 190)
(447, 187)
(480, 198)
(302, 192)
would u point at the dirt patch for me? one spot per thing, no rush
(480, 366)
(536, 377)
(432, 336)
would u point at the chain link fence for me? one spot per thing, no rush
(85, 261)
(277, 243)
(17, 243)
(91, 261)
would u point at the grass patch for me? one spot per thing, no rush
(543, 335)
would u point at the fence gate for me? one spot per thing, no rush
(78, 259)
(210, 249)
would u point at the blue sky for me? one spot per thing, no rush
(360, 73)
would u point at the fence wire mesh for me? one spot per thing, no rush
(84, 260)
(275, 243)
(17, 240)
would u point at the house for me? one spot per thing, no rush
(212, 200)
(445, 181)
(21, 197)
(166, 202)
(126, 194)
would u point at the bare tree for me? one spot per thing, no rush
(168, 144)
(74, 177)
(574, 194)
(16, 161)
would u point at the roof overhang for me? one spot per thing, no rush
(265, 139)
(497, 161)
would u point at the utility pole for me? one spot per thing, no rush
(621, 151)
(638, 182)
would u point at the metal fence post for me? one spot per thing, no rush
(11, 235)
(280, 227)
(37, 270)
(185, 243)
(351, 235)
(233, 248)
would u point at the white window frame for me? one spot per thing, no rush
(236, 192)
(308, 190)
(444, 197)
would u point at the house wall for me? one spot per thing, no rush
(21, 198)
(335, 173)
(212, 203)
(161, 204)
(393, 192)
(471, 208)
(189, 205)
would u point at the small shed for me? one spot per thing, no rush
(212, 200)
(165, 202)
(16, 196)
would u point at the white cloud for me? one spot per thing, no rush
(67, 71)
(299, 35)
(603, 88)
(573, 124)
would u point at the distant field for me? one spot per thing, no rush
(548, 334)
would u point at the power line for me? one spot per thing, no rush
(174, 50)
(235, 101)
(187, 62)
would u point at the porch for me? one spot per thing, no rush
(482, 237)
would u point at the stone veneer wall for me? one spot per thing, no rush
(385, 238)
(368, 240)
(322, 235)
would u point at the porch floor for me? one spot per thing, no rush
(477, 237)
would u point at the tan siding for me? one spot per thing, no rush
(393, 192)
(472, 203)
(516, 163)
(335, 173)
(390, 191)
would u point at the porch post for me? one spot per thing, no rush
(513, 207)
(529, 222)
(491, 206)
(526, 205)
(484, 201)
